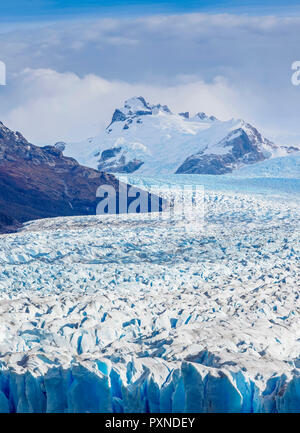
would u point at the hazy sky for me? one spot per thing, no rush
(69, 65)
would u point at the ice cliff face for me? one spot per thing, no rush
(101, 314)
(150, 139)
(98, 386)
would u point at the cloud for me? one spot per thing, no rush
(224, 64)
(56, 106)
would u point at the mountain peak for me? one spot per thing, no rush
(151, 139)
(8, 137)
(203, 116)
(185, 115)
(135, 107)
(137, 103)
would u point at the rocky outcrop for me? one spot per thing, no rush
(114, 161)
(241, 147)
(60, 145)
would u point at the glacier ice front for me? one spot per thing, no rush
(141, 385)
(100, 314)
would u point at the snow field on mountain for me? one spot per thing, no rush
(175, 138)
(102, 313)
(162, 140)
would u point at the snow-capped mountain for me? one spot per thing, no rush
(150, 139)
(282, 167)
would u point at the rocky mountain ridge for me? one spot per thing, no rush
(39, 182)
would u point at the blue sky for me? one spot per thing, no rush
(20, 10)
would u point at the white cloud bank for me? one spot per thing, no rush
(66, 78)
(56, 106)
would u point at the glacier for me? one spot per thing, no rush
(123, 314)
(278, 167)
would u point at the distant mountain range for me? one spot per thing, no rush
(150, 139)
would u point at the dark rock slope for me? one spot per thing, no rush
(39, 182)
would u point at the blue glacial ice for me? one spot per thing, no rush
(108, 314)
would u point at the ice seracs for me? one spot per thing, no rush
(109, 314)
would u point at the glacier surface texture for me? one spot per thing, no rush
(110, 314)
